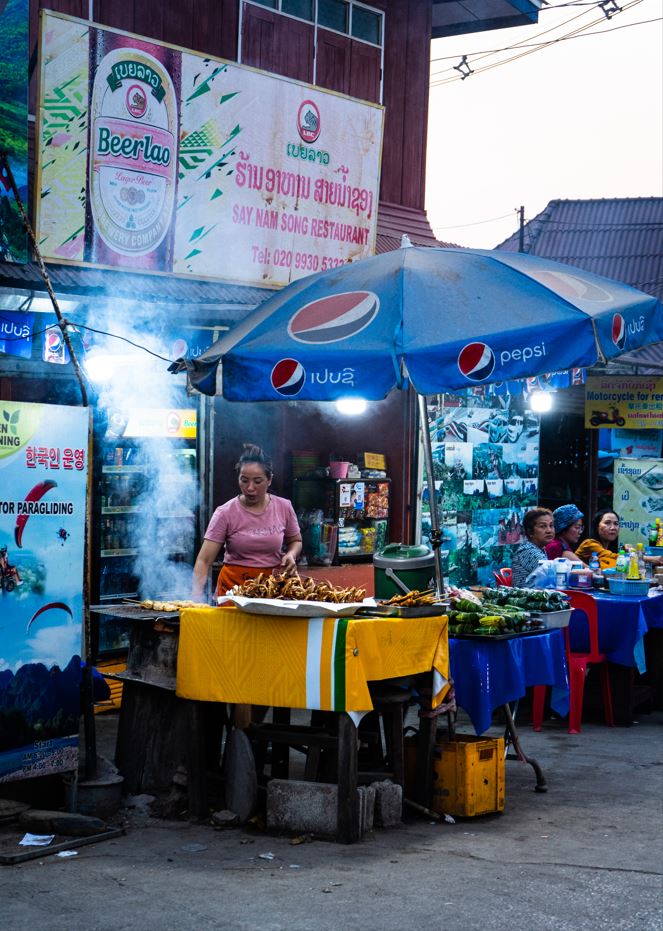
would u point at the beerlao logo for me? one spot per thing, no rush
(476, 361)
(288, 377)
(308, 122)
(334, 318)
(136, 101)
(619, 331)
(133, 119)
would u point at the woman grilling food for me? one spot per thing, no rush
(258, 529)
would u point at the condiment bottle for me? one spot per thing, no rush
(633, 571)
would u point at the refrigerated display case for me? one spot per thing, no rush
(144, 514)
(348, 516)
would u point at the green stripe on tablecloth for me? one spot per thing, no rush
(339, 664)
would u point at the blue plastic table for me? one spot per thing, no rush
(489, 673)
(623, 622)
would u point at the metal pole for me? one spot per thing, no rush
(436, 534)
(521, 229)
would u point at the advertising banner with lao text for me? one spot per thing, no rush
(161, 160)
(637, 497)
(624, 401)
(43, 488)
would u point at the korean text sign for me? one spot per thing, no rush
(43, 488)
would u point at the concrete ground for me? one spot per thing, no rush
(588, 854)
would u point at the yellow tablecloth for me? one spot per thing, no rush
(229, 655)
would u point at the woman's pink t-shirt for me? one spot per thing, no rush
(253, 539)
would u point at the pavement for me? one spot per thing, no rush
(587, 854)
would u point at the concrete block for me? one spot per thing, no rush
(304, 807)
(366, 808)
(388, 804)
(71, 824)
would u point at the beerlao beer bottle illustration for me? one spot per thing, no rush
(132, 167)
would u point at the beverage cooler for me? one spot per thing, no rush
(342, 519)
(145, 506)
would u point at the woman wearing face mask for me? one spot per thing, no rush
(604, 541)
(568, 522)
(539, 530)
(258, 529)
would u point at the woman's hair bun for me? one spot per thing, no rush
(253, 453)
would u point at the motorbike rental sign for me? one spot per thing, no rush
(634, 403)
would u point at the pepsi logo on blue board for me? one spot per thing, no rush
(334, 318)
(288, 377)
(476, 361)
(618, 331)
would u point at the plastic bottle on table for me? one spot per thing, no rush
(642, 565)
(633, 571)
(595, 567)
(622, 563)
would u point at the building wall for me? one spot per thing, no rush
(284, 45)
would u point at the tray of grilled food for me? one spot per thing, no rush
(294, 596)
(147, 610)
(410, 604)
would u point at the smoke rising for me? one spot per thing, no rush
(160, 484)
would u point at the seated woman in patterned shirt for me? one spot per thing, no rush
(539, 530)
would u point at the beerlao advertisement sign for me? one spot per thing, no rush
(161, 160)
(634, 403)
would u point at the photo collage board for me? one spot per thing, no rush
(486, 472)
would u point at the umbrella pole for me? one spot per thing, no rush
(436, 534)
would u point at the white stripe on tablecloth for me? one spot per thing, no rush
(313, 651)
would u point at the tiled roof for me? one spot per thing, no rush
(620, 238)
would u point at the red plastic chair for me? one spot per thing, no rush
(504, 577)
(578, 664)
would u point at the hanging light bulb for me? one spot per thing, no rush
(541, 401)
(352, 407)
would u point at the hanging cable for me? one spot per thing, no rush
(8, 177)
(580, 32)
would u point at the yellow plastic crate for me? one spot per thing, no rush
(469, 776)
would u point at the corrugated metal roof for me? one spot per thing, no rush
(620, 238)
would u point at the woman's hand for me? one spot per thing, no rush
(291, 555)
(289, 564)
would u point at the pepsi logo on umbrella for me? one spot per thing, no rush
(619, 331)
(334, 318)
(288, 377)
(571, 286)
(476, 361)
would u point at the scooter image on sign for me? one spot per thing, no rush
(603, 419)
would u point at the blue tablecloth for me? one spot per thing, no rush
(623, 622)
(489, 673)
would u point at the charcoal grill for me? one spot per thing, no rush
(153, 644)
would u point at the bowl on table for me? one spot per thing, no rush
(628, 587)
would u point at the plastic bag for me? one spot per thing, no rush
(543, 576)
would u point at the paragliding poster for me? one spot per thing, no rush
(43, 487)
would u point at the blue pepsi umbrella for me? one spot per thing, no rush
(440, 319)
(445, 319)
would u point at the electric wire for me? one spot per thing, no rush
(579, 32)
(82, 326)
